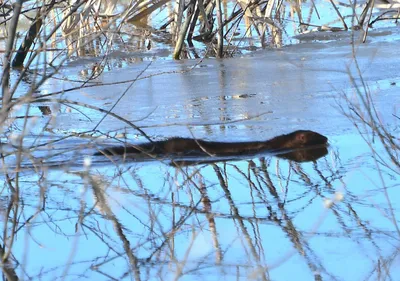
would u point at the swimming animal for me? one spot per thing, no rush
(198, 147)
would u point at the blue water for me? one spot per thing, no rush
(272, 224)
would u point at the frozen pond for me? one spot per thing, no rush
(263, 218)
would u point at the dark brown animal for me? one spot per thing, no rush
(197, 147)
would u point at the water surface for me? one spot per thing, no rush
(262, 218)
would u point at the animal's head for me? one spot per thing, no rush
(306, 138)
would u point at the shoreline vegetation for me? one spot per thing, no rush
(257, 217)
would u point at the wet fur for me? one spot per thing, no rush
(194, 147)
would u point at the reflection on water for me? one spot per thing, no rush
(264, 219)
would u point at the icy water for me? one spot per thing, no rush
(263, 218)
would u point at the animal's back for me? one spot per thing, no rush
(188, 146)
